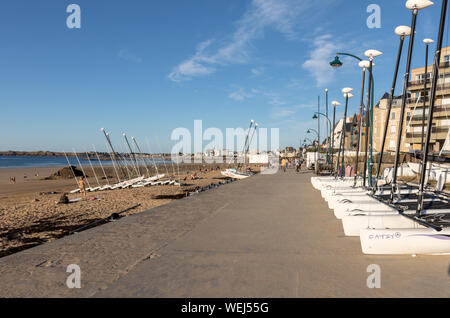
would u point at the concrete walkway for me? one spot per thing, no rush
(266, 236)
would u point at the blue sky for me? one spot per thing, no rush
(146, 67)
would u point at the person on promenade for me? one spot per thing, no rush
(82, 185)
(283, 164)
(297, 165)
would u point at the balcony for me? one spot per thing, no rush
(414, 100)
(444, 65)
(419, 82)
(436, 133)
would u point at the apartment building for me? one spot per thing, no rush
(417, 99)
(351, 133)
(379, 122)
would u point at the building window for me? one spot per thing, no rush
(392, 144)
(393, 116)
(393, 129)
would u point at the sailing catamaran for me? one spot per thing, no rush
(237, 173)
(394, 218)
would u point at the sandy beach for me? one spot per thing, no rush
(30, 215)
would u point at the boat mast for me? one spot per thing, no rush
(142, 156)
(246, 141)
(249, 143)
(358, 144)
(435, 76)
(93, 170)
(347, 95)
(114, 154)
(389, 108)
(73, 172)
(151, 156)
(339, 151)
(132, 156)
(101, 165)
(394, 189)
(82, 170)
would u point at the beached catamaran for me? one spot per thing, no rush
(127, 170)
(393, 218)
(237, 173)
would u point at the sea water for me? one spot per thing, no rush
(36, 161)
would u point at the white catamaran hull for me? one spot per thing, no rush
(405, 241)
(342, 210)
(358, 196)
(352, 224)
(231, 173)
(337, 184)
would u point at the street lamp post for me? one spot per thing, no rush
(414, 6)
(336, 63)
(402, 31)
(318, 122)
(371, 54)
(334, 103)
(316, 116)
(364, 65)
(347, 94)
(316, 165)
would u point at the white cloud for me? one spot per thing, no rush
(281, 112)
(319, 59)
(126, 55)
(239, 95)
(281, 15)
(257, 71)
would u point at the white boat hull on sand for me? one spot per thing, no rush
(230, 174)
(342, 210)
(317, 182)
(338, 184)
(353, 223)
(405, 241)
(358, 196)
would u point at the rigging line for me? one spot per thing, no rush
(151, 155)
(173, 169)
(71, 168)
(123, 158)
(162, 157)
(408, 126)
(142, 157)
(131, 156)
(82, 170)
(114, 166)
(92, 167)
(101, 165)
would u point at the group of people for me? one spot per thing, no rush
(12, 180)
(291, 163)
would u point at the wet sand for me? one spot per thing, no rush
(30, 215)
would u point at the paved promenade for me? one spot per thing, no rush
(266, 236)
